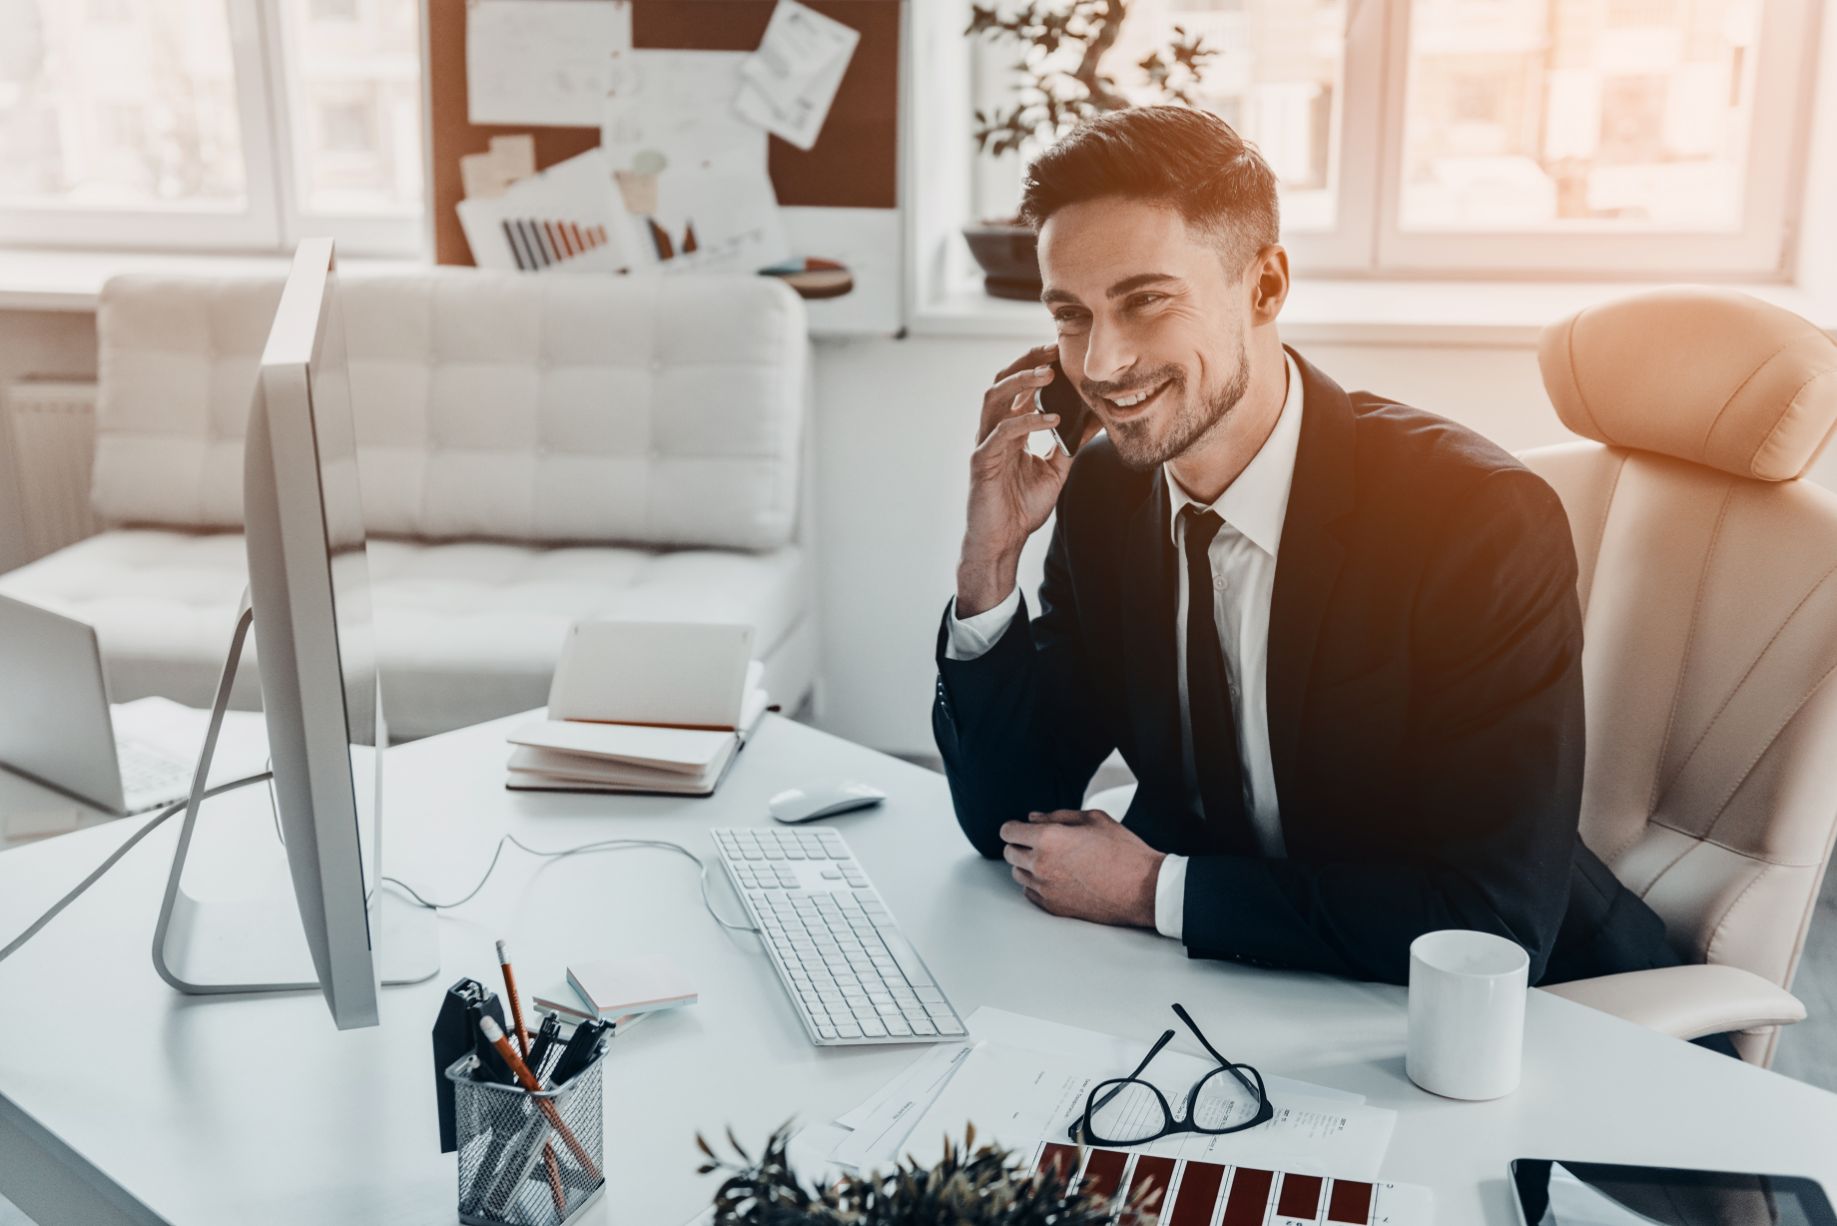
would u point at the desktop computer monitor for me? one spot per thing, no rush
(309, 590)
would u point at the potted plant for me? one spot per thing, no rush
(1061, 80)
(968, 1187)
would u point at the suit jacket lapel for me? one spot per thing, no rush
(1308, 560)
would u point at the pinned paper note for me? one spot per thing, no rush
(544, 62)
(565, 219)
(480, 177)
(690, 171)
(515, 156)
(484, 176)
(791, 80)
(717, 215)
(677, 104)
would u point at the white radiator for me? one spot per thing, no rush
(51, 424)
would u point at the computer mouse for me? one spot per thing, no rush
(823, 799)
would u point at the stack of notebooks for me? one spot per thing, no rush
(618, 992)
(642, 708)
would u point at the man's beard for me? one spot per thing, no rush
(1140, 449)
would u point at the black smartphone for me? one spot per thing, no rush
(1062, 398)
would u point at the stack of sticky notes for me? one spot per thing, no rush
(618, 990)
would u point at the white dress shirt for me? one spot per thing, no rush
(1243, 558)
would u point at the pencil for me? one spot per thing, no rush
(516, 1015)
(516, 1006)
(494, 1035)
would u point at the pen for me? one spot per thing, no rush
(516, 1014)
(517, 1167)
(494, 1034)
(578, 1053)
(538, 1052)
(516, 1005)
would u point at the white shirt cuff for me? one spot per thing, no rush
(970, 637)
(1170, 897)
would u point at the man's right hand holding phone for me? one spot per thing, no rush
(1012, 491)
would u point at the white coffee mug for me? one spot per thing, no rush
(1467, 993)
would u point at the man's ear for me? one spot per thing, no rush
(1268, 284)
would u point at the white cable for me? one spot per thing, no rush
(601, 845)
(177, 806)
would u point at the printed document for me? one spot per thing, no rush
(878, 1133)
(791, 81)
(1016, 1089)
(543, 62)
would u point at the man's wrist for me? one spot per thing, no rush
(1148, 892)
(983, 584)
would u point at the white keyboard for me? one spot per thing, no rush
(837, 949)
(150, 775)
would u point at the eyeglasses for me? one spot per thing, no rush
(1130, 1111)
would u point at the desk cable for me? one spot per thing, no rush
(621, 844)
(178, 806)
(625, 844)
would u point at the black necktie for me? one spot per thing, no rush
(1208, 695)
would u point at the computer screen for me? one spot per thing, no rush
(354, 637)
(314, 635)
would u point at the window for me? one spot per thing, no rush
(354, 92)
(1628, 134)
(1458, 137)
(241, 124)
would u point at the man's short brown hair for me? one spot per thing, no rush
(1190, 160)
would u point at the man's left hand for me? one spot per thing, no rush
(1084, 864)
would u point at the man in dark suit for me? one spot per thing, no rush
(1336, 638)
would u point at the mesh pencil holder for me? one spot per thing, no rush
(528, 1159)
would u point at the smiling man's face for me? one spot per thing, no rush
(1153, 322)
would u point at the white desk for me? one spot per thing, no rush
(121, 1101)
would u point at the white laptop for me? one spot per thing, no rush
(55, 721)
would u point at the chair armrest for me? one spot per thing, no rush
(1687, 1002)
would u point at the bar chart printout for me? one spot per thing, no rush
(1195, 1193)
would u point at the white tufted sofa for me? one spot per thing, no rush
(533, 451)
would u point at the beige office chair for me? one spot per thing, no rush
(1709, 597)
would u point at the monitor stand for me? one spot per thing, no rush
(219, 946)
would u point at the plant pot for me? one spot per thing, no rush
(1009, 258)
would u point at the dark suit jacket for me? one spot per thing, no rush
(1425, 705)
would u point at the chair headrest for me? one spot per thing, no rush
(1707, 375)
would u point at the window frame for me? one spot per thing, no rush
(407, 235)
(1368, 243)
(1762, 248)
(270, 218)
(1349, 248)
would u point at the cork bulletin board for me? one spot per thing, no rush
(846, 185)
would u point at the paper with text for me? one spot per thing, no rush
(673, 109)
(791, 80)
(543, 62)
(1013, 1094)
(878, 1134)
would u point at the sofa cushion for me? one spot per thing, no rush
(466, 631)
(651, 411)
